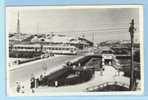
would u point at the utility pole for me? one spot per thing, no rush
(132, 78)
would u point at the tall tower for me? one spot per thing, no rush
(18, 23)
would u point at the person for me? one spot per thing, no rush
(32, 83)
(37, 82)
(103, 63)
(110, 63)
(56, 83)
(118, 72)
(77, 72)
(101, 72)
(41, 80)
(18, 87)
(101, 67)
(74, 66)
(22, 90)
(79, 65)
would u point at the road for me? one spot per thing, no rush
(109, 75)
(24, 72)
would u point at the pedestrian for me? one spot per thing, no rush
(101, 72)
(22, 90)
(41, 79)
(37, 82)
(32, 83)
(79, 65)
(103, 63)
(110, 63)
(56, 83)
(18, 87)
(118, 72)
(74, 67)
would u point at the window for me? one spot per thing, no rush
(67, 48)
(49, 48)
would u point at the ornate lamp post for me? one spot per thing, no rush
(132, 30)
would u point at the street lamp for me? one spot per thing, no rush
(132, 30)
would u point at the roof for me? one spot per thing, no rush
(19, 37)
(27, 45)
(59, 46)
(62, 39)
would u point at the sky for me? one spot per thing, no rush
(97, 24)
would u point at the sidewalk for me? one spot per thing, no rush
(13, 67)
(109, 75)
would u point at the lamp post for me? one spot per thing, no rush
(132, 30)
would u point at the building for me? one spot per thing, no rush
(33, 50)
(107, 55)
(79, 43)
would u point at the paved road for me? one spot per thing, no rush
(24, 73)
(109, 75)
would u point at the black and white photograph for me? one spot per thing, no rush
(74, 50)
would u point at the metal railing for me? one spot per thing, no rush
(100, 86)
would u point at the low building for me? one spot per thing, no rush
(33, 50)
(62, 39)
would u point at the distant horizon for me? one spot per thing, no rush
(136, 40)
(105, 24)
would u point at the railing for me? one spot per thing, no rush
(94, 88)
(27, 60)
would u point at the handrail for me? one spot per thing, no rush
(106, 84)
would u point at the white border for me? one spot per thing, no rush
(141, 31)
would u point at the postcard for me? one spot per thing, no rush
(74, 50)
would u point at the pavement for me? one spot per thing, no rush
(110, 74)
(22, 73)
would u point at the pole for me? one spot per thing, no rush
(131, 30)
(132, 67)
